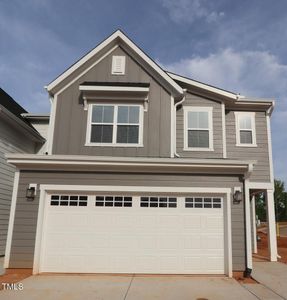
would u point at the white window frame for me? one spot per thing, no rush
(209, 110)
(239, 114)
(115, 126)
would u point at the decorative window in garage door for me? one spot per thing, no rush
(114, 201)
(69, 200)
(158, 202)
(203, 202)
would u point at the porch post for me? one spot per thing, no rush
(272, 240)
(248, 227)
(253, 224)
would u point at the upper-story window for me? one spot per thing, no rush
(245, 129)
(198, 129)
(115, 125)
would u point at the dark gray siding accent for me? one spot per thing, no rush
(194, 100)
(10, 142)
(261, 171)
(23, 241)
(71, 118)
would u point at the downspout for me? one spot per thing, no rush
(175, 108)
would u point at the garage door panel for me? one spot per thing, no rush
(134, 239)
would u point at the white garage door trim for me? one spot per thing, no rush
(44, 189)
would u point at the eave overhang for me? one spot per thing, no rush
(231, 100)
(129, 165)
(21, 126)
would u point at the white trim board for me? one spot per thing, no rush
(11, 219)
(224, 153)
(113, 88)
(44, 189)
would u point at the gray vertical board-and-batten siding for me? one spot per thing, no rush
(71, 118)
(11, 141)
(194, 100)
(261, 172)
(24, 231)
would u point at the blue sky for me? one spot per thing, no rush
(237, 45)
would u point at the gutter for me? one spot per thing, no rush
(175, 108)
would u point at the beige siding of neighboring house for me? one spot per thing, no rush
(23, 241)
(71, 118)
(42, 127)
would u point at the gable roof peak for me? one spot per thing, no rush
(124, 40)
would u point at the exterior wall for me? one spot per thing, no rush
(71, 118)
(42, 127)
(194, 100)
(24, 231)
(10, 142)
(261, 171)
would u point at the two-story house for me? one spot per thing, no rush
(146, 172)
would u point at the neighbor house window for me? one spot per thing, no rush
(119, 125)
(245, 129)
(198, 129)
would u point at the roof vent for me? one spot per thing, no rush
(118, 65)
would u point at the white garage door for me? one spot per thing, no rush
(133, 234)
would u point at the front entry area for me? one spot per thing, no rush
(140, 234)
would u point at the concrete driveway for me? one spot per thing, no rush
(96, 287)
(272, 275)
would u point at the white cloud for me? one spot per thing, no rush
(250, 73)
(190, 10)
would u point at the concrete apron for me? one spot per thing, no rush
(102, 287)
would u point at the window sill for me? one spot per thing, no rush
(247, 145)
(198, 149)
(114, 145)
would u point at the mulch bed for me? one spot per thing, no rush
(262, 247)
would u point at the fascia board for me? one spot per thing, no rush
(43, 162)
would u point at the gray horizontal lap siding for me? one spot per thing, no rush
(24, 232)
(261, 172)
(11, 141)
(71, 118)
(194, 100)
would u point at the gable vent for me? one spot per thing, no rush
(118, 65)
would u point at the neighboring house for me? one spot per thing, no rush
(16, 136)
(146, 172)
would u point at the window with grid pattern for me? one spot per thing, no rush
(170, 202)
(69, 200)
(245, 133)
(203, 202)
(198, 128)
(113, 201)
(115, 124)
